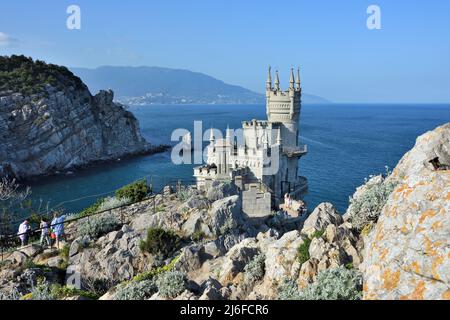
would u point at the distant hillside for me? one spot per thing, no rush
(155, 85)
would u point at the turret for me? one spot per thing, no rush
(277, 82)
(292, 80)
(269, 81)
(279, 140)
(283, 106)
(297, 82)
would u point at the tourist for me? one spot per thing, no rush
(57, 226)
(24, 232)
(44, 233)
(287, 200)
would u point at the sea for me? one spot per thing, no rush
(346, 143)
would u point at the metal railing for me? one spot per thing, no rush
(8, 242)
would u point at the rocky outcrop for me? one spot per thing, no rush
(61, 128)
(407, 253)
(322, 216)
(404, 256)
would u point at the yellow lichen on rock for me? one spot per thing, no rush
(412, 234)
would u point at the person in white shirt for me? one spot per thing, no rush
(24, 232)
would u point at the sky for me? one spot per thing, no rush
(342, 60)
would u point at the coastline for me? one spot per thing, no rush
(161, 148)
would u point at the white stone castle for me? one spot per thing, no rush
(265, 165)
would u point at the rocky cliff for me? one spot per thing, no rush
(408, 252)
(391, 244)
(56, 124)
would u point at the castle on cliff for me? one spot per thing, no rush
(265, 164)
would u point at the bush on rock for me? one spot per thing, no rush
(160, 242)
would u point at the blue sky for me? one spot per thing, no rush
(234, 40)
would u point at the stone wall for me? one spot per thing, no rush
(256, 204)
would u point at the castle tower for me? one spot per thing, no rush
(284, 107)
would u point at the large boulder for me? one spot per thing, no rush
(280, 264)
(322, 216)
(115, 257)
(407, 253)
(17, 258)
(225, 215)
(31, 250)
(220, 190)
(435, 143)
(237, 258)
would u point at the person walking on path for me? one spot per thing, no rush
(24, 232)
(44, 233)
(57, 226)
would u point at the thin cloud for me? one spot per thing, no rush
(7, 41)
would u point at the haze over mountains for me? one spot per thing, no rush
(156, 85)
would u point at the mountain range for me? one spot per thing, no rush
(156, 85)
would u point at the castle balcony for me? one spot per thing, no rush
(292, 152)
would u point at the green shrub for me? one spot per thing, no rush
(288, 290)
(136, 191)
(183, 195)
(60, 292)
(13, 294)
(97, 286)
(335, 284)
(64, 254)
(366, 207)
(171, 283)
(91, 209)
(136, 290)
(97, 226)
(198, 236)
(113, 202)
(303, 249)
(41, 291)
(255, 269)
(160, 242)
(23, 75)
(151, 274)
(331, 284)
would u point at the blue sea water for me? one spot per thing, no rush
(346, 143)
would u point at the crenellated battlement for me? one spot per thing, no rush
(283, 105)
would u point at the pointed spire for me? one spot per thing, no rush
(292, 79)
(277, 82)
(269, 80)
(279, 136)
(297, 82)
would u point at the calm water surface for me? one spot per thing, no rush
(346, 143)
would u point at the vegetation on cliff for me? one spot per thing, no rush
(26, 76)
